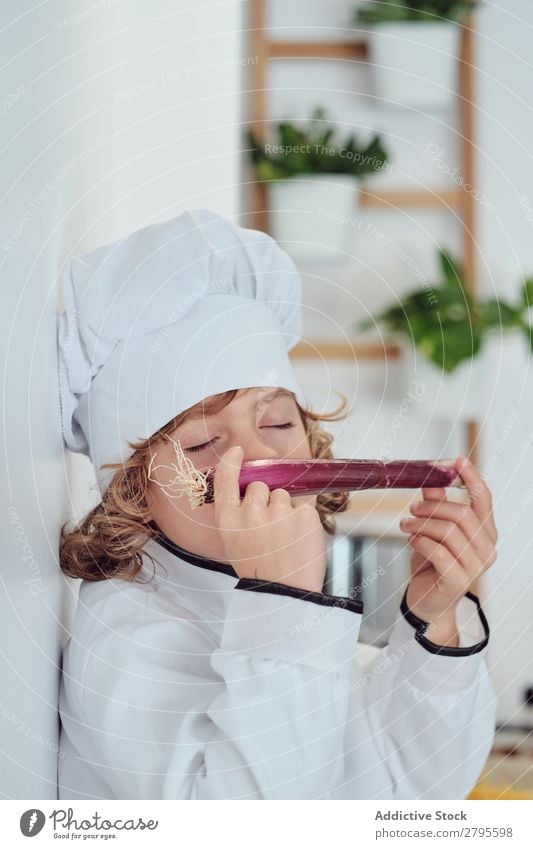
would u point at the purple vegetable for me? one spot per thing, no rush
(309, 477)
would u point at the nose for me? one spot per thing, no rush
(254, 447)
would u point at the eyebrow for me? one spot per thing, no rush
(271, 396)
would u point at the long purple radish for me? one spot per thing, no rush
(310, 477)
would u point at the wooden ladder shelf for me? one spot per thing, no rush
(458, 202)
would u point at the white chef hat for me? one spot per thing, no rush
(163, 318)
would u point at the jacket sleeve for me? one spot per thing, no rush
(262, 715)
(431, 708)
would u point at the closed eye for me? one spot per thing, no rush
(194, 448)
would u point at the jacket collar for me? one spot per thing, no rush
(206, 584)
(190, 557)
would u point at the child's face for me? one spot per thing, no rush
(265, 421)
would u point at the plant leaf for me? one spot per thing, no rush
(499, 314)
(527, 293)
(528, 330)
(378, 11)
(311, 150)
(451, 270)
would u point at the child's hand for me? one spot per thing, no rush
(453, 545)
(265, 535)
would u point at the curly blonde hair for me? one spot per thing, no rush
(108, 543)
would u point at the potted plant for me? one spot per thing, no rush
(448, 328)
(414, 46)
(312, 184)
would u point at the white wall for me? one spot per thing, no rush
(505, 121)
(336, 296)
(116, 114)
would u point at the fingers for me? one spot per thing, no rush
(419, 564)
(462, 515)
(434, 493)
(444, 563)
(226, 478)
(452, 538)
(282, 498)
(479, 495)
(257, 492)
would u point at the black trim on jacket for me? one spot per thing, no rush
(261, 586)
(451, 651)
(254, 583)
(189, 556)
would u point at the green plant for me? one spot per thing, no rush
(447, 324)
(311, 150)
(381, 11)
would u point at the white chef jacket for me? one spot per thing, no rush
(204, 685)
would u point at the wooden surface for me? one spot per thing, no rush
(356, 49)
(308, 349)
(410, 199)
